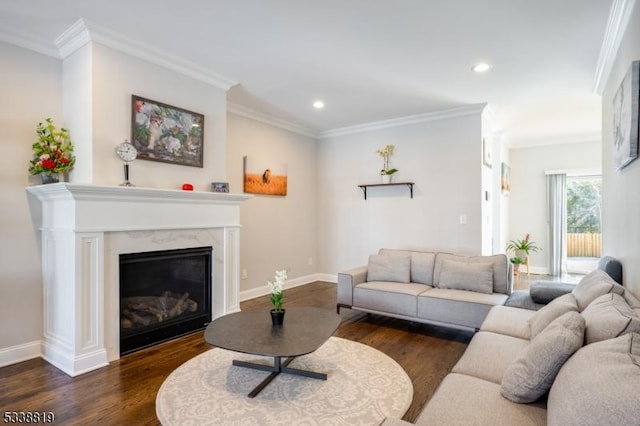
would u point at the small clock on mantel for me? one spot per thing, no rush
(127, 153)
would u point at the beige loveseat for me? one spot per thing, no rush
(576, 361)
(430, 287)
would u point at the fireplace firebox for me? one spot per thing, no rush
(163, 295)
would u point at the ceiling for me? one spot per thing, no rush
(368, 60)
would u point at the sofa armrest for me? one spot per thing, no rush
(347, 280)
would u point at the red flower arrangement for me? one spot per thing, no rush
(53, 151)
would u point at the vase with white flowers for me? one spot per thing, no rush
(386, 171)
(277, 294)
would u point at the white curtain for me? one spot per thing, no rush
(557, 223)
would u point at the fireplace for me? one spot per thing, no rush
(163, 295)
(84, 230)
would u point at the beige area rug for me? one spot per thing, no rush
(363, 387)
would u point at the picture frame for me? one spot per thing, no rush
(626, 118)
(486, 153)
(220, 186)
(265, 177)
(505, 178)
(165, 133)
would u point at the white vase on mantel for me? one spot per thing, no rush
(386, 178)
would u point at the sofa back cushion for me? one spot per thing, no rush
(499, 263)
(545, 316)
(389, 268)
(609, 316)
(421, 264)
(594, 285)
(531, 374)
(476, 277)
(598, 385)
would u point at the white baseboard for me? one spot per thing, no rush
(538, 270)
(19, 353)
(296, 282)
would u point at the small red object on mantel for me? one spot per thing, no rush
(187, 187)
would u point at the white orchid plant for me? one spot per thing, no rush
(385, 153)
(277, 289)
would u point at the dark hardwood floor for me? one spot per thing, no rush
(124, 392)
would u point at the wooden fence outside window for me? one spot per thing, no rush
(584, 245)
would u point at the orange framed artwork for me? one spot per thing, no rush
(264, 177)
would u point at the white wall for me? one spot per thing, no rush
(31, 86)
(277, 232)
(528, 196)
(620, 190)
(116, 76)
(444, 160)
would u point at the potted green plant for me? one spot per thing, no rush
(522, 248)
(52, 152)
(517, 261)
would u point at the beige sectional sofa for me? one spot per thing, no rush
(574, 362)
(430, 287)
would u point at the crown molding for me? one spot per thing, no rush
(83, 32)
(404, 121)
(618, 20)
(28, 42)
(269, 119)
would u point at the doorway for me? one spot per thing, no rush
(584, 238)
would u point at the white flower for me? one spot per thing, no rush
(277, 286)
(44, 157)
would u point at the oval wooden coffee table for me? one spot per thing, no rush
(304, 330)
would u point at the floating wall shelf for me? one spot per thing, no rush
(364, 187)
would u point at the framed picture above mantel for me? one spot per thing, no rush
(161, 132)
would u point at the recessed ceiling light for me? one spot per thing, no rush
(318, 105)
(482, 67)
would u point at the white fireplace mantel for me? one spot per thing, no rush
(86, 227)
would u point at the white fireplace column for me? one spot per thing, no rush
(85, 228)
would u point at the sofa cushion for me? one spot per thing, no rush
(488, 356)
(598, 385)
(609, 316)
(509, 321)
(546, 291)
(542, 318)
(421, 264)
(532, 373)
(593, 285)
(466, 276)
(501, 277)
(391, 297)
(457, 307)
(395, 268)
(466, 400)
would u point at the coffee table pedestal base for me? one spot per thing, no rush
(278, 367)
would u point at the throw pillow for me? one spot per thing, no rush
(609, 316)
(598, 385)
(499, 262)
(395, 268)
(531, 374)
(557, 307)
(595, 285)
(476, 277)
(421, 264)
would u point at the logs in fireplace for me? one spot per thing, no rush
(163, 295)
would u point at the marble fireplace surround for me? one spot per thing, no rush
(85, 227)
